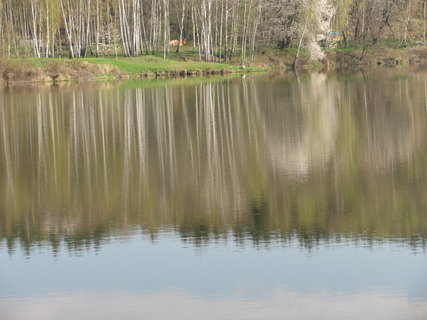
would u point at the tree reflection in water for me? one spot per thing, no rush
(260, 159)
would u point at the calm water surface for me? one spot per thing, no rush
(264, 197)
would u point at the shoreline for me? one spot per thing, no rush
(180, 74)
(49, 71)
(30, 71)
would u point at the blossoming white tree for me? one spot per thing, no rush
(300, 21)
(318, 19)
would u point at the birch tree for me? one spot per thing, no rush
(217, 30)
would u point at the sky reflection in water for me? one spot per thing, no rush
(168, 279)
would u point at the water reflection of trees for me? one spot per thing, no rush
(251, 159)
(302, 126)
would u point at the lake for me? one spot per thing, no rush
(242, 197)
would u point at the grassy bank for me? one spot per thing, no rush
(186, 63)
(387, 53)
(16, 71)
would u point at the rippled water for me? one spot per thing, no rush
(221, 198)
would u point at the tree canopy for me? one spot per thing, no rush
(217, 30)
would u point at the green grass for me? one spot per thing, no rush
(352, 47)
(184, 60)
(149, 64)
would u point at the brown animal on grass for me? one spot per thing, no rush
(174, 43)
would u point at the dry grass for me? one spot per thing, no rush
(17, 71)
(48, 70)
